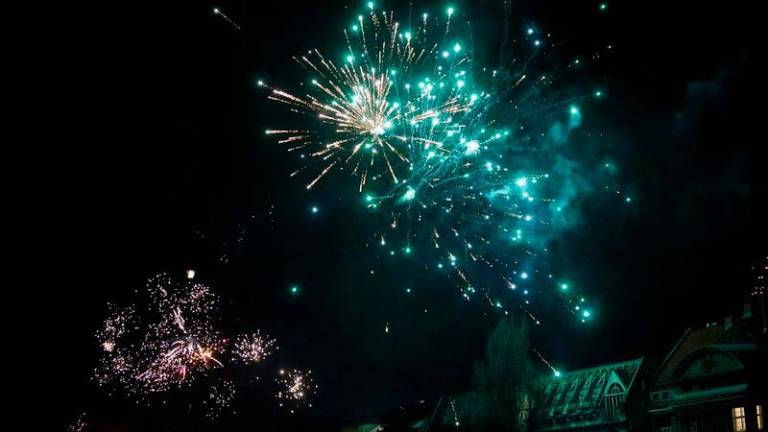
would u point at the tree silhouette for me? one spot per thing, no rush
(503, 382)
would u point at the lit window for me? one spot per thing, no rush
(759, 411)
(739, 419)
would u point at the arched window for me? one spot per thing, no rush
(613, 402)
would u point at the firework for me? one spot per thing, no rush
(168, 345)
(253, 348)
(464, 159)
(296, 388)
(219, 398)
(398, 96)
(218, 12)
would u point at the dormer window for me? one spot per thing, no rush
(613, 402)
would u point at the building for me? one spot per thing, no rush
(604, 398)
(713, 379)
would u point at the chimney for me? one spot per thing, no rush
(728, 322)
(747, 311)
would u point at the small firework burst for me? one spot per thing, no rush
(253, 348)
(296, 388)
(220, 397)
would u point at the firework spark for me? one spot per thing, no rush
(79, 425)
(218, 12)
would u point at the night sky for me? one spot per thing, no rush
(165, 167)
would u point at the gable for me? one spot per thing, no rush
(615, 380)
(707, 362)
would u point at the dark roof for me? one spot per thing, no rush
(692, 340)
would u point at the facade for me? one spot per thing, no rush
(713, 379)
(604, 398)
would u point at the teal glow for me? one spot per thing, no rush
(556, 372)
(410, 194)
(294, 290)
(457, 47)
(473, 147)
(449, 11)
(314, 209)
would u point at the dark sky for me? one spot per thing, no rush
(162, 165)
